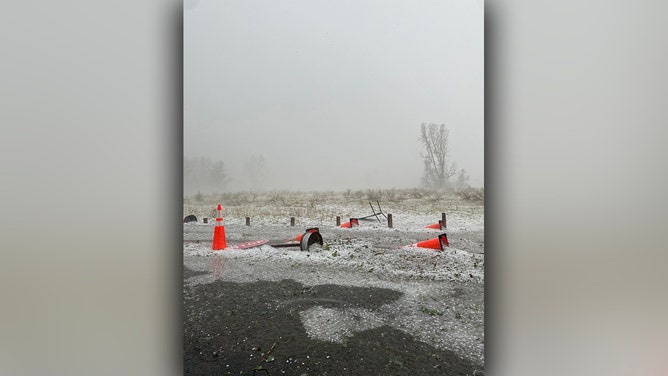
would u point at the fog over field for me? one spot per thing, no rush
(331, 95)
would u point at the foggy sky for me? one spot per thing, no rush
(332, 93)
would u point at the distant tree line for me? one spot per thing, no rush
(202, 175)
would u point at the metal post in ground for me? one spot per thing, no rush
(443, 220)
(389, 220)
(338, 220)
(292, 221)
(247, 221)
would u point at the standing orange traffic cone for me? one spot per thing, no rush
(352, 223)
(219, 231)
(436, 243)
(436, 226)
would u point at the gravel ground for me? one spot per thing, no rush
(361, 304)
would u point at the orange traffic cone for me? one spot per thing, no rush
(436, 226)
(352, 223)
(219, 231)
(436, 243)
(299, 237)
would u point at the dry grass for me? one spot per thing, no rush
(326, 205)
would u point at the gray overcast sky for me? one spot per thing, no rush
(332, 93)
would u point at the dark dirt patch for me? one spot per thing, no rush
(229, 326)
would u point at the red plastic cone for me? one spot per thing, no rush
(352, 223)
(436, 226)
(219, 231)
(436, 243)
(299, 237)
(431, 243)
(296, 238)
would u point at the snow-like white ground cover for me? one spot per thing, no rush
(442, 300)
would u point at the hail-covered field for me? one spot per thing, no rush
(364, 302)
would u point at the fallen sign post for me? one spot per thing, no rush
(380, 211)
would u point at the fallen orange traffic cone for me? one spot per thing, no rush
(299, 237)
(436, 243)
(352, 223)
(436, 226)
(219, 231)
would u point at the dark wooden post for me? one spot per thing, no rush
(443, 220)
(389, 220)
(338, 220)
(292, 221)
(205, 220)
(247, 221)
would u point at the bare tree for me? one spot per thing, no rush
(437, 167)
